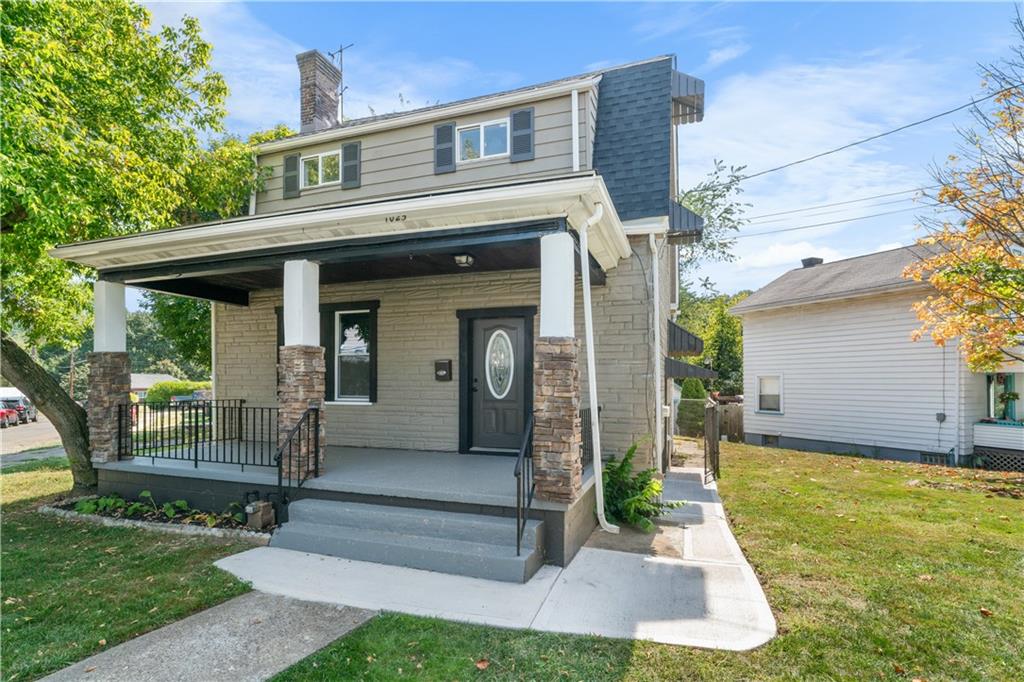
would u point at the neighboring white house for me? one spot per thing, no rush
(829, 365)
(143, 381)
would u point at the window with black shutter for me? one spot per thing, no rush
(291, 176)
(350, 159)
(444, 148)
(522, 135)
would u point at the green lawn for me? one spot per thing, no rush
(874, 569)
(69, 589)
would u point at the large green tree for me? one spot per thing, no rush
(707, 316)
(101, 123)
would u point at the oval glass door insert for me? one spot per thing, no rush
(500, 365)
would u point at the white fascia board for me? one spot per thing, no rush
(656, 225)
(568, 198)
(510, 99)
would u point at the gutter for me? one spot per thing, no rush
(595, 413)
(740, 310)
(659, 418)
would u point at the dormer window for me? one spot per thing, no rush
(483, 140)
(321, 169)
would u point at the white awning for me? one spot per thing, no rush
(570, 197)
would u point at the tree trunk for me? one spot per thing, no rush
(67, 416)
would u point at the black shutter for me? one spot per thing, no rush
(522, 135)
(444, 148)
(291, 176)
(351, 154)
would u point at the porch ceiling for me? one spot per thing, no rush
(571, 198)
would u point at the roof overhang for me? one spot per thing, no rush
(687, 98)
(437, 113)
(572, 198)
(742, 308)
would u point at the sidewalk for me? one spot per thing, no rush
(30, 456)
(687, 584)
(228, 642)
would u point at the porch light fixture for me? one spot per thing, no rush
(463, 260)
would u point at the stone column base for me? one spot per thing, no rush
(557, 466)
(110, 385)
(300, 385)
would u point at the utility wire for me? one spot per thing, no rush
(831, 222)
(844, 203)
(843, 209)
(972, 103)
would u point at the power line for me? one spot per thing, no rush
(831, 222)
(844, 203)
(832, 211)
(972, 103)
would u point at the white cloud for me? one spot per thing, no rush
(723, 55)
(259, 66)
(789, 111)
(787, 255)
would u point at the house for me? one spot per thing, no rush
(414, 323)
(141, 382)
(829, 366)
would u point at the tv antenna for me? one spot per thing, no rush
(340, 55)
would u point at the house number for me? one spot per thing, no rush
(395, 218)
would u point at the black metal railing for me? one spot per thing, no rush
(524, 483)
(298, 457)
(198, 431)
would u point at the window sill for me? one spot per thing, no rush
(349, 402)
(770, 412)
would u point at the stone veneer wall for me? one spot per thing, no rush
(300, 373)
(417, 325)
(557, 468)
(110, 385)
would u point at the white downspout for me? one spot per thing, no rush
(659, 417)
(588, 324)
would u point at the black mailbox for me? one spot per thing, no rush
(442, 370)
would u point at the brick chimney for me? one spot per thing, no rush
(319, 79)
(811, 262)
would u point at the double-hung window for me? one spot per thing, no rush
(483, 140)
(321, 169)
(769, 393)
(354, 349)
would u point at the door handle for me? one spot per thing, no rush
(474, 388)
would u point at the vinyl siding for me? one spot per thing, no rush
(401, 161)
(851, 374)
(973, 405)
(417, 325)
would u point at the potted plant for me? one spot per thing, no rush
(1005, 398)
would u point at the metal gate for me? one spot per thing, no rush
(712, 424)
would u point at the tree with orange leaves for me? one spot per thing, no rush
(975, 263)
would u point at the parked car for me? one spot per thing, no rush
(8, 416)
(23, 406)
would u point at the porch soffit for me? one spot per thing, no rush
(572, 198)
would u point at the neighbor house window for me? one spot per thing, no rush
(322, 169)
(354, 350)
(483, 141)
(769, 393)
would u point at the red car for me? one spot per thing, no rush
(8, 417)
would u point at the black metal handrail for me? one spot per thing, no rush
(208, 431)
(300, 445)
(524, 483)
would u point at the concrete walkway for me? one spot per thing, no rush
(686, 584)
(251, 637)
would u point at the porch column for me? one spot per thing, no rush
(300, 369)
(109, 370)
(557, 467)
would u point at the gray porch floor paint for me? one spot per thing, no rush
(706, 596)
(417, 474)
(227, 642)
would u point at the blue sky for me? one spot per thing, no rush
(783, 81)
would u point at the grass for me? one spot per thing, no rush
(70, 589)
(874, 569)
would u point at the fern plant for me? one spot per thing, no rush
(633, 498)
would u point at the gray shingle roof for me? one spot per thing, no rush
(856, 276)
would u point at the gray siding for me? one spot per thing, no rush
(400, 161)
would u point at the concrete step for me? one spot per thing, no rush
(493, 530)
(448, 542)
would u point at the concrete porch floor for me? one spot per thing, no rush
(416, 474)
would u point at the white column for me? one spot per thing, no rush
(557, 285)
(109, 318)
(301, 303)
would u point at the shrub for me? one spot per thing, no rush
(163, 391)
(690, 415)
(630, 498)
